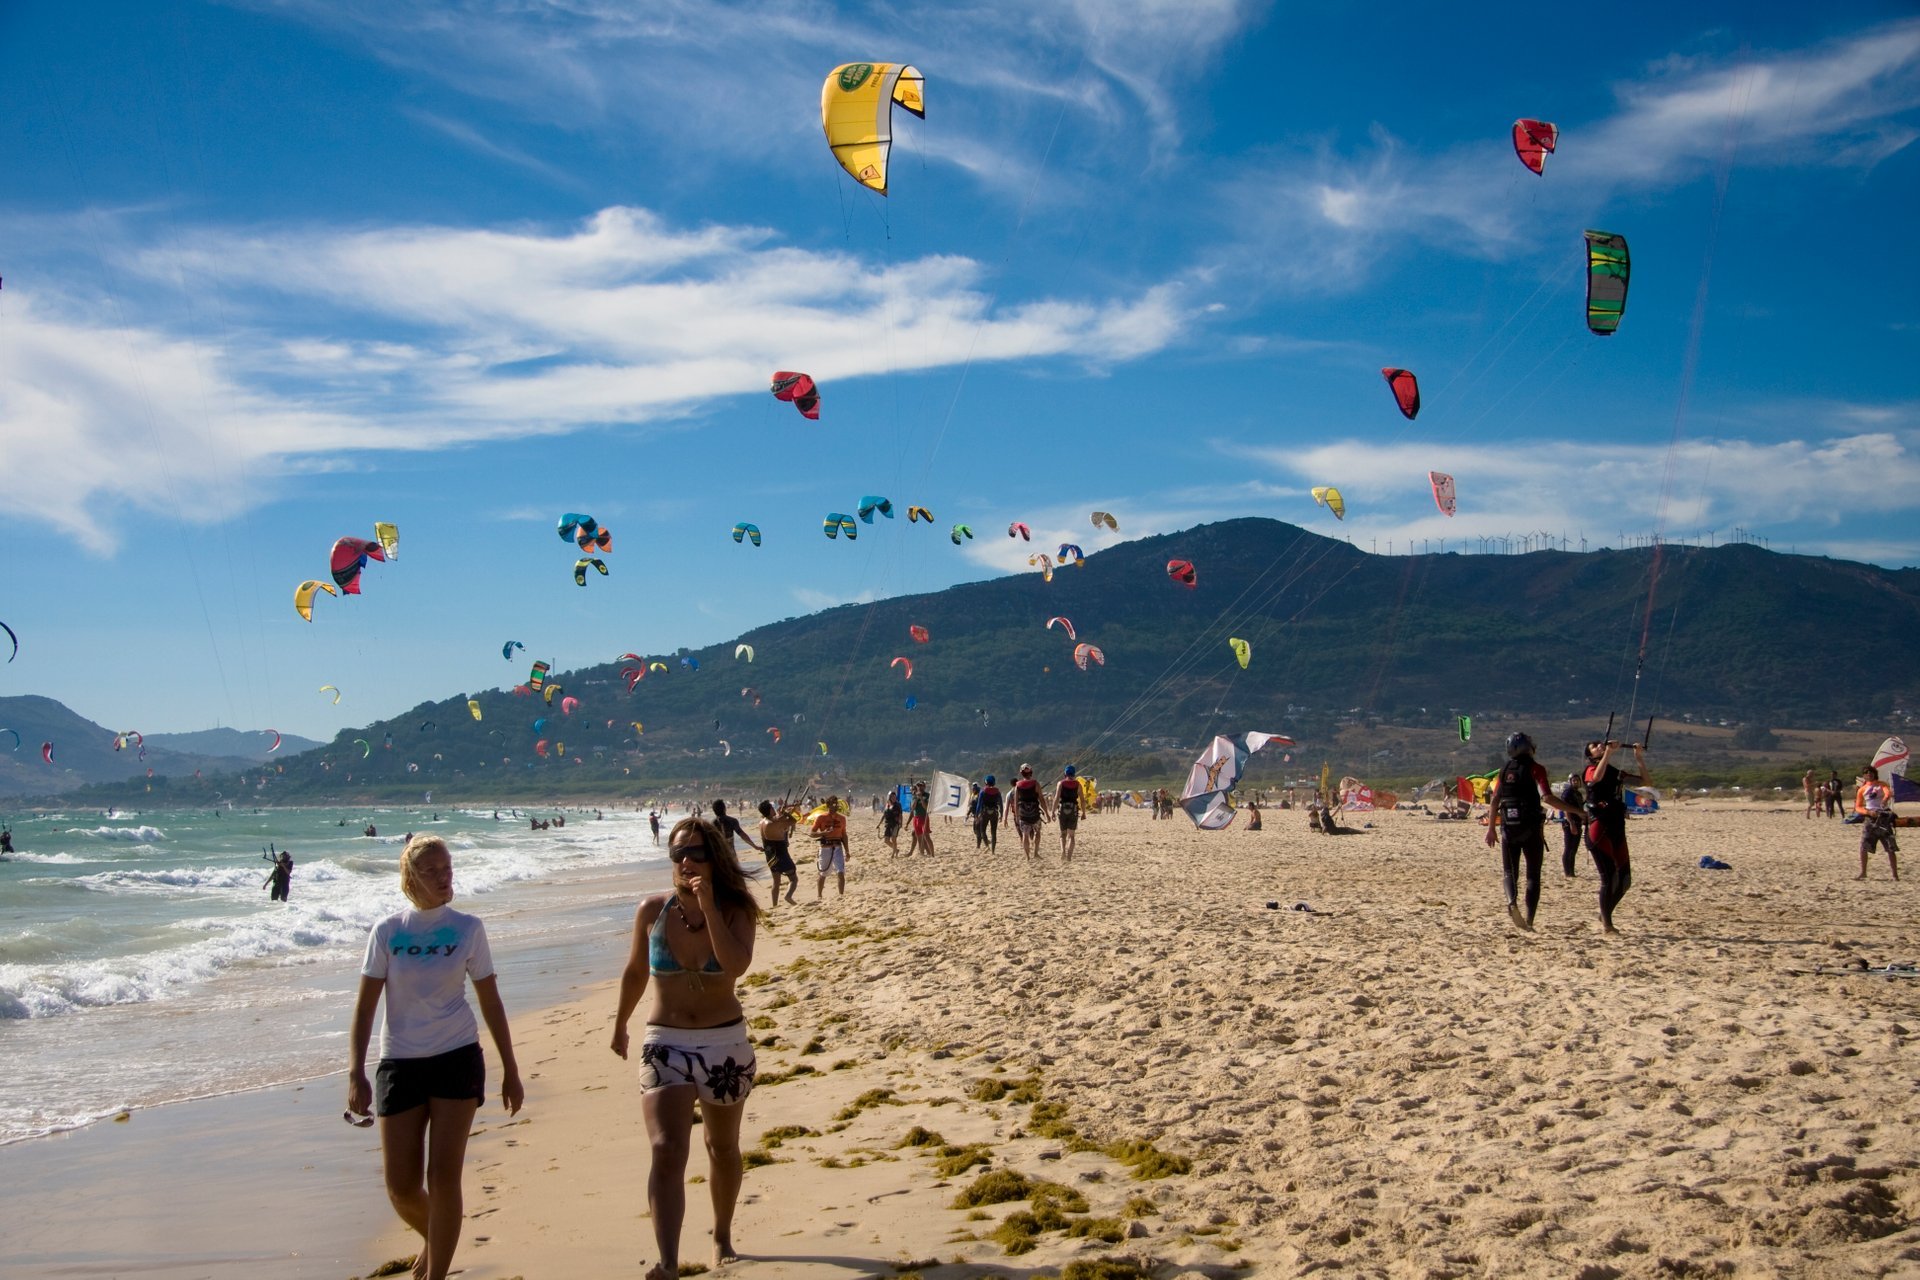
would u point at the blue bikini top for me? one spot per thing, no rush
(660, 955)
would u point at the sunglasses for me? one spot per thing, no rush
(698, 852)
(358, 1122)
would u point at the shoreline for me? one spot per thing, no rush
(1396, 1080)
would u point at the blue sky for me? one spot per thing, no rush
(275, 271)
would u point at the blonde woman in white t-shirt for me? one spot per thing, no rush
(432, 1076)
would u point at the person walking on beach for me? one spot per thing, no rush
(281, 877)
(922, 841)
(653, 821)
(1519, 819)
(691, 945)
(1066, 804)
(890, 819)
(830, 829)
(1572, 798)
(1834, 794)
(1874, 800)
(991, 804)
(730, 826)
(432, 1076)
(1029, 810)
(776, 829)
(1813, 792)
(1607, 822)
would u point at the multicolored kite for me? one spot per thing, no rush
(856, 111)
(1607, 271)
(1442, 491)
(799, 391)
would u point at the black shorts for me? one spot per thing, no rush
(779, 860)
(1069, 819)
(401, 1084)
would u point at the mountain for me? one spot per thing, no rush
(1339, 638)
(83, 752)
(237, 744)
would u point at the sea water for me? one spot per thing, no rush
(142, 962)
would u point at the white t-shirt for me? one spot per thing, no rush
(425, 958)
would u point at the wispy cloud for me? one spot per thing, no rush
(419, 338)
(468, 136)
(1723, 483)
(620, 67)
(1846, 103)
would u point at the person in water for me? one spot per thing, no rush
(1874, 801)
(1607, 822)
(281, 877)
(1521, 795)
(432, 1076)
(6, 840)
(691, 945)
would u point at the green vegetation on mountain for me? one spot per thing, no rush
(1341, 639)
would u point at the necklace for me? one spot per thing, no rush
(691, 926)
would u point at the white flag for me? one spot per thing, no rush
(948, 794)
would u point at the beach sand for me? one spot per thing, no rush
(1398, 1082)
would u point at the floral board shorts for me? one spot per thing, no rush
(718, 1061)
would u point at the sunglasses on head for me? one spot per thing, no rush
(681, 852)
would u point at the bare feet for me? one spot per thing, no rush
(420, 1266)
(1608, 929)
(658, 1271)
(724, 1252)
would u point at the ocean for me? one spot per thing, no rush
(142, 962)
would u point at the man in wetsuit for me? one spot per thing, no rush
(1572, 798)
(1519, 819)
(1607, 822)
(1029, 810)
(991, 802)
(1066, 803)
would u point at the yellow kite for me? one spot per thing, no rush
(856, 110)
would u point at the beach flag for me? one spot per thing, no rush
(948, 794)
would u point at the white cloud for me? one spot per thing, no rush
(818, 600)
(1719, 485)
(1846, 103)
(620, 67)
(459, 336)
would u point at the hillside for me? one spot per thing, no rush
(84, 751)
(1339, 638)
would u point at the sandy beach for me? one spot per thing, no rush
(1395, 1082)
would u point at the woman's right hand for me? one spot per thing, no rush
(359, 1093)
(619, 1045)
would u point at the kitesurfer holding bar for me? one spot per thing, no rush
(1874, 801)
(1520, 797)
(1607, 825)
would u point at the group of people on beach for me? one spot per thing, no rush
(1521, 795)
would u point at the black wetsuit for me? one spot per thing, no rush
(990, 815)
(1570, 828)
(1522, 820)
(1607, 838)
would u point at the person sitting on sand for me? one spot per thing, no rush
(432, 1076)
(691, 945)
(1253, 814)
(1875, 800)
